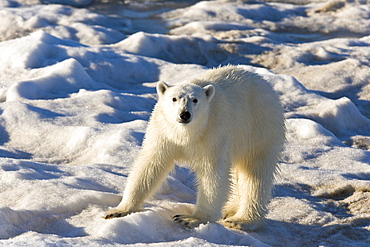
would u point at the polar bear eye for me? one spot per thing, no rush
(174, 99)
(195, 100)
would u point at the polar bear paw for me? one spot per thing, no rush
(188, 221)
(243, 225)
(115, 213)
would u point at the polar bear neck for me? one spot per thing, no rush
(186, 134)
(178, 133)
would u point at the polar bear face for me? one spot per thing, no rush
(185, 103)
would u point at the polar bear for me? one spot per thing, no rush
(228, 125)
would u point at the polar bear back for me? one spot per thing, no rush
(245, 108)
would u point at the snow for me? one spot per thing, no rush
(78, 87)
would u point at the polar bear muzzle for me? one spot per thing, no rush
(185, 117)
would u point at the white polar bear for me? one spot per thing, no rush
(228, 126)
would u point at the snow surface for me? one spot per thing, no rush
(78, 86)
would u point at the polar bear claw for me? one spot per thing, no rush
(187, 221)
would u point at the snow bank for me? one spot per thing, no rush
(76, 94)
(176, 49)
(64, 22)
(76, 3)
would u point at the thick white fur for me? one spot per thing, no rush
(232, 143)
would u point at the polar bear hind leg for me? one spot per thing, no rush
(252, 182)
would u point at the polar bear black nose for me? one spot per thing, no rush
(185, 116)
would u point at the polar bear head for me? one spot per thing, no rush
(185, 103)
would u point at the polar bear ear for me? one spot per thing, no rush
(162, 87)
(209, 90)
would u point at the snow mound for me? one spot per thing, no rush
(78, 87)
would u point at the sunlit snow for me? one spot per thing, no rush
(78, 85)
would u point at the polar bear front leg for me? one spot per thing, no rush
(148, 173)
(213, 188)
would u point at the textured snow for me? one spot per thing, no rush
(78, 87)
